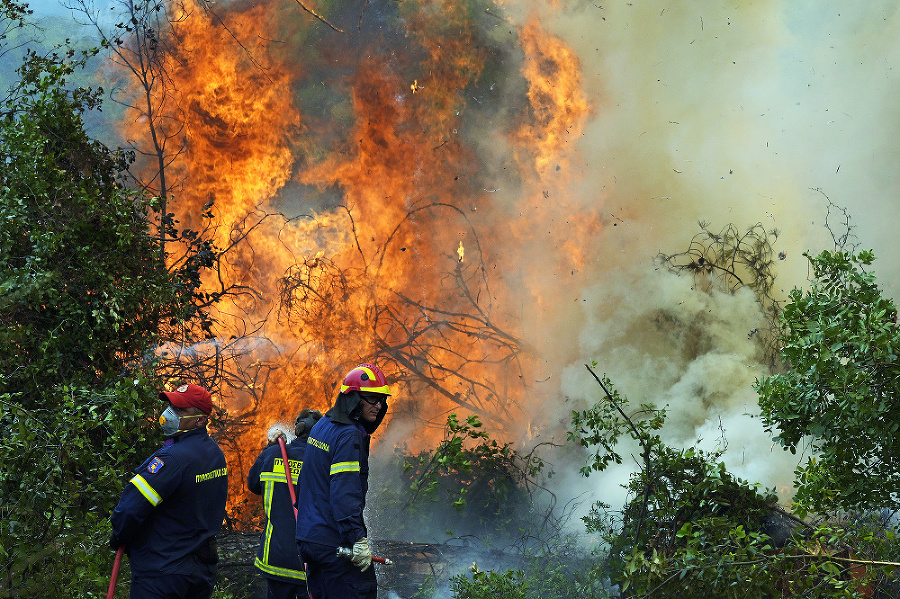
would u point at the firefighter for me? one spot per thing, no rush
(277, 558)
(332, 489)
(171, 510)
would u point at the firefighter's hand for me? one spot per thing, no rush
(273, 435)
(362, 554)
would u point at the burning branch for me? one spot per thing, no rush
(446, 341)
(318, 16)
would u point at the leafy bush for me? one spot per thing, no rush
(842, 343)
(691, 529)
(469, 485)
(489, 585)
(82, 290)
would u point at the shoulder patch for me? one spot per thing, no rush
(155, 466)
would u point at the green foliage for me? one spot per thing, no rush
(685, 513)
(81, 285)
(710, 557)
(468, 485)
(842, 343)
(489, 585)
(62, 472)
(547, 577)
(472, 486)
(715, 558)
(600, 427)
(561, 575)
(82, 290)
(691, 529)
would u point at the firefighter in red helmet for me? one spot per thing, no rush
(333, 485)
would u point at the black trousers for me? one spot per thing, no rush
(331, 577)
(196, 584)
(280, 589)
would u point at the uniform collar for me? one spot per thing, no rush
(182, 436)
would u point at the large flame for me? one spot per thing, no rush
(378, 135)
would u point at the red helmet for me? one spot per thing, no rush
(366, 378)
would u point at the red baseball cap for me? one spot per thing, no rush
(187, 396)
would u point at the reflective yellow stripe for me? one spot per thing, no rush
(344, 467)
(267, 503)
(270, 569)
(276, 477)
(146, 490)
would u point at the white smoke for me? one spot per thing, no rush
(725, 113)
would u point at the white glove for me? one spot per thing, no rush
(362, 554)
(273, 435)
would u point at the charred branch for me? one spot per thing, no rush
(730, 260)
(319, 17)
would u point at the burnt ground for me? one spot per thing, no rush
(416, 565)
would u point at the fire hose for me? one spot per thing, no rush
(115, 572)
(287, 473)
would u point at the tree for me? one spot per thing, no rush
(82, 292)
(138, 43)
(839, 398)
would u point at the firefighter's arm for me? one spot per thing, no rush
(254, 484)
(154, 480)
(347, 499)
(129, 515)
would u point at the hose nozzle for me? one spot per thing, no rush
(348, 553)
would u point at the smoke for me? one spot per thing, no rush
(724, 113)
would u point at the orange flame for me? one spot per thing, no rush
(393, 175)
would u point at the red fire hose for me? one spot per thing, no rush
(115, 572)
(287, 474)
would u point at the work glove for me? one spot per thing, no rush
(273, 434)
(362, 554)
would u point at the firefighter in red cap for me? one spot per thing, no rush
(332, 489)
(172, 509)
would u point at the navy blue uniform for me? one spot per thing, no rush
(331, 500)
(277, 557)
(331, 506)
(169, 514)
